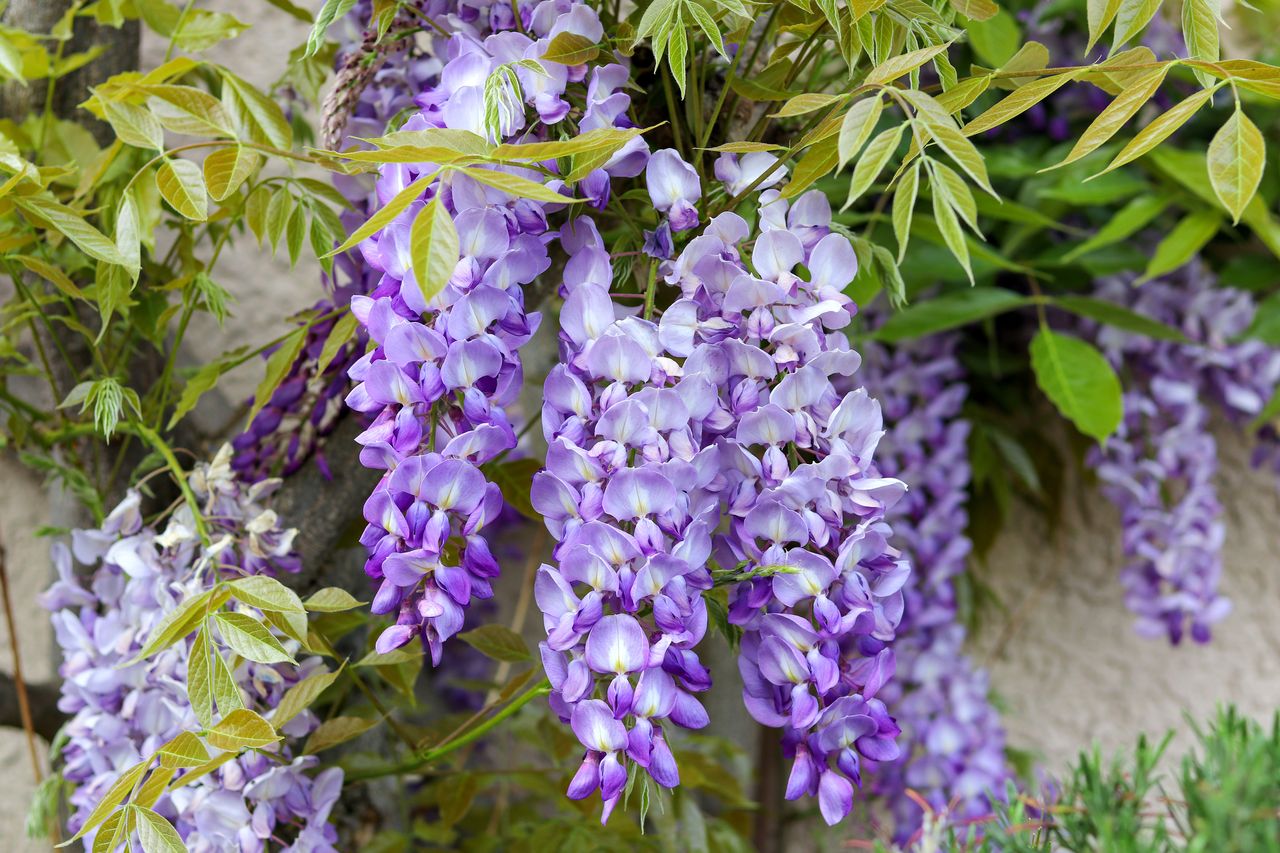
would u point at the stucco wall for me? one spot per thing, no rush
(1065, 660)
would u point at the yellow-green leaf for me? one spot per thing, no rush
(185, 750)
(337, 730)
(300, 696)
(1132, 17)
(52, 274)
(571, 49)
(181, 184)
(156, 834)
(873, 160)
(225, 169)
(398, 204)
(181, 621)
(952, 235)
(805, 103)
(609, 139)
(186, 109)
(134, 125)
(433, 248)
(1237, 156)
(342, 333)
(72, 223)
(278, 365)
(1200, 31)
(154, 786)
(331, 600)
(1159, 129)
(200, 680)
(1116, 113)
(1100, 14)
(265, 593)
(856, 127)
(242, 729)
(114, 796)
(904, 202)
(1017, 102)
(250, 639)
(518, 187)
(942, 128)
(896, 66)
(816, 163)
(978, 10)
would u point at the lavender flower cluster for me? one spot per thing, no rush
(718, 430)
(1158, 470)
(305, 407)
(123, 711)
(953, 743)
(445, 370)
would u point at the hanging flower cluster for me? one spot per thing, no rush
(123, 711)
(722, 412)
(953, 743)
(1158, 470)
(305, 407)
(445, 369)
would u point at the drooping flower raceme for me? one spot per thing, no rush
(721, 413)
(123, 711)
(1159, 468)
(446, 368)
(953, 743)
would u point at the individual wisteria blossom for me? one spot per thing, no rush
(952, 740)
(720, 415)
(305, 407)
(123, 711)
(445, 370)
(1159, 467)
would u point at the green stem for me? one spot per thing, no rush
(671, 111)
(153, 438)
(651, 290)
(177, 29)
(432, 755)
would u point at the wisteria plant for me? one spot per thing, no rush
(707, 331)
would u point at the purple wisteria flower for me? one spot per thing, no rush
(123, 712)
(720, 416)
(444, 371)
(1159, 467)
(952, 741)
(292, 425)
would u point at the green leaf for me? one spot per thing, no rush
(1132, 18)
(331, 599)
(250, 639)
(242, 729)
(904, 202)
(949, 311)
(1017, 102)
(71, 223)
(1120, 317)
(873, 161)
(816, 163)
(296, 233)
(1128, 220)
(279, 211)
(395, 657)
(515, 478)
(202, 381)
(52, 274)
(1116, 113)
(185, 750)
(182, 185)
(1265, 325)
(978, 10)
(134, 125)
(996, 39)
(1079, 381)
(1200, 32)
(300, 696)
(200, 679)
(571, 49)
(278, 365)
(1160, 129)
(456, 798)
(226, 693)
(113, 797)
(337, 730)
(945, 217)
(1183, 243)
(331, 11)
(433, 248)
(156, 834)
(904, 63)
(1237, 156)
(806, 103)
(112, 833)
(497, 642)
(225, 169)
(856, 127)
